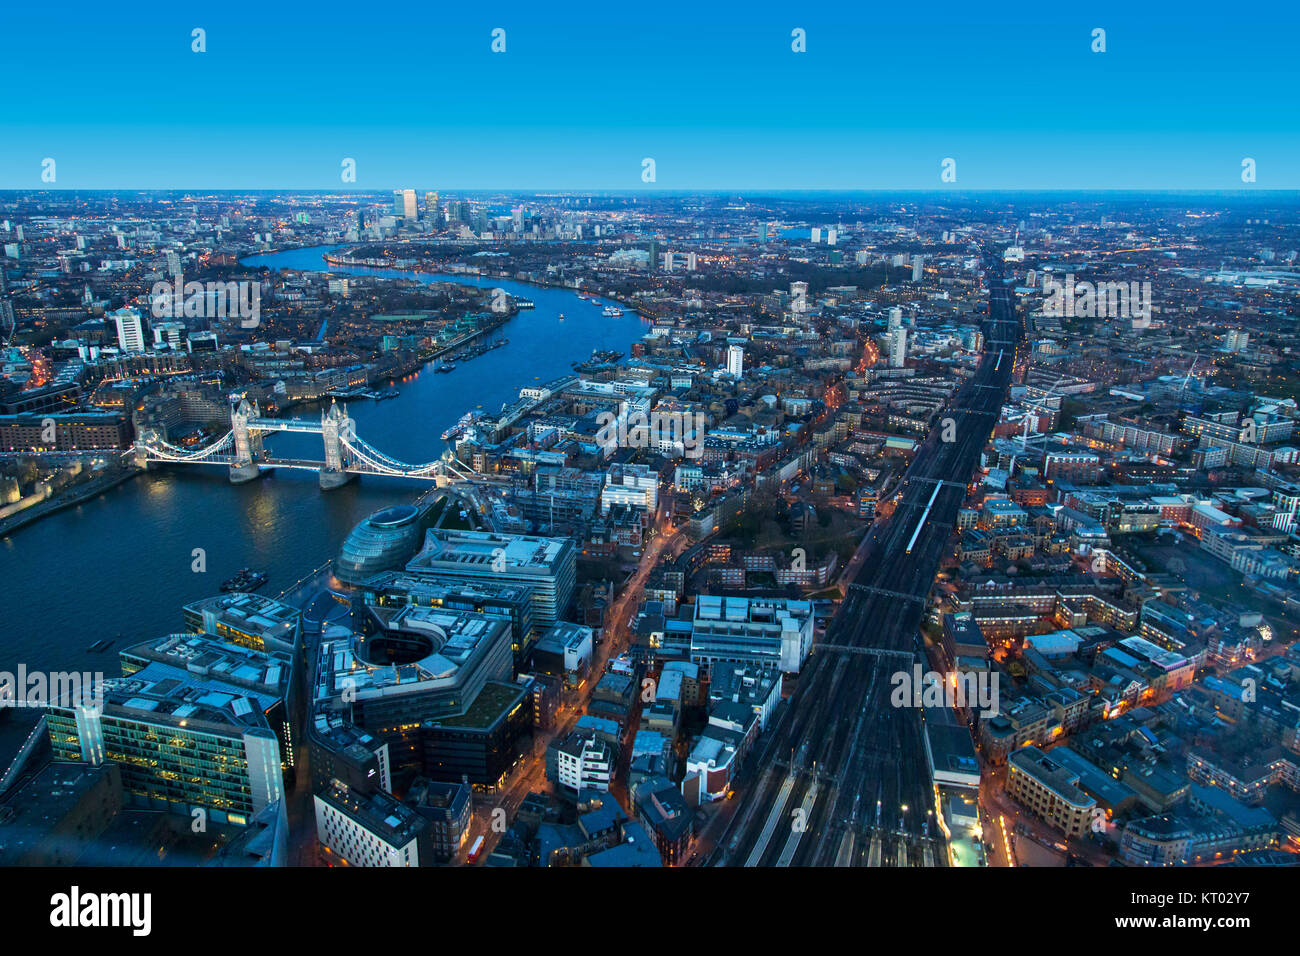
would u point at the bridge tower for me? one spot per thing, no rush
(248, 443)
(145, 438)
(334, 423)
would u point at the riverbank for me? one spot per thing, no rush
(426, 268)
(78, 494)
(124, 562)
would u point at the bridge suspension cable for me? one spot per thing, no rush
(378, 460)
(169, 452)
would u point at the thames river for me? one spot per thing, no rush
(122, 563)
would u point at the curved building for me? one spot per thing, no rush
(384, 541)
(432, 684)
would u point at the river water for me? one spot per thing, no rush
(122, 563)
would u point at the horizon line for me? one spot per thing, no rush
(663, 191)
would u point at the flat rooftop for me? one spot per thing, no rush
(494, 700)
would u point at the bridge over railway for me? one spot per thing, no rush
(345, 453)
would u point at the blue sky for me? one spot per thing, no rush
(711, 91)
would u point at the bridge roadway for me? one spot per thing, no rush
(853, 766)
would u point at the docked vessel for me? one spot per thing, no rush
(246, 580)
(612, 311)
(599, 359)
(466, 420)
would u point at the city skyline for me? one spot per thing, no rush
(644, 438)
(872, 103)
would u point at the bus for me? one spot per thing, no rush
(475, 850)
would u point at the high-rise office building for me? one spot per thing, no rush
(404, 204)
(130, 330)
(652, 263)
(431, 207)
(736, 360)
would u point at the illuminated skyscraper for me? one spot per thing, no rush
(404, 204)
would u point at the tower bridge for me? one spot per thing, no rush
(345, 453)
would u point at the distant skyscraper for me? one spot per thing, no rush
(817, 234)
(918, 268)
(431, 207)
(668, 261)
(895, 318)
(898, 348)
(404, 204)
(831, 236)
(691, 261)
(736, 360)
(653, 262)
